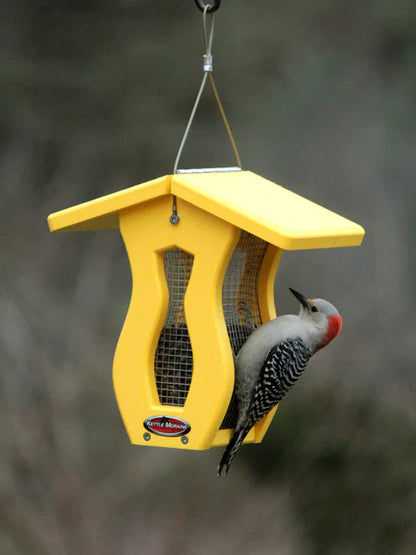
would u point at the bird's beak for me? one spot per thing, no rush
(301, 298)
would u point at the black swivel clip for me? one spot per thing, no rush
(213, 5)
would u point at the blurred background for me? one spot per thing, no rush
(94, 98)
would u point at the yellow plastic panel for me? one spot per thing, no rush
(268, 311)
(266, 283)
(223, 436)
(102, 213)
(147, 232)
(267, 210)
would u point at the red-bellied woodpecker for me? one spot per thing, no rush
(273, 358)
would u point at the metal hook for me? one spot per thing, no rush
(213, 5)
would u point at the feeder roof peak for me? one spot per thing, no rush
(242, 198)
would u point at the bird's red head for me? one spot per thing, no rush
(334, 327)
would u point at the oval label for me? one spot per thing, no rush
(167, 426)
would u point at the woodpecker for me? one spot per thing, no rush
(272, 360)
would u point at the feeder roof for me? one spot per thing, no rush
(242, 198)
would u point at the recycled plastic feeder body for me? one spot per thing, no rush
(199, 288)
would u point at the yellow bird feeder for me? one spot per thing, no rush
(201, 284)
(199, 288)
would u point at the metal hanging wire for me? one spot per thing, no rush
(208, 32)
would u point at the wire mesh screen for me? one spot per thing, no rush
(240, 299)
(173, 357)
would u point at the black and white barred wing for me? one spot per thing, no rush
(282, 368)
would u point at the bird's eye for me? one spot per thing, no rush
(314, 309)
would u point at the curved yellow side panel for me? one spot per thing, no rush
(266, 282)
(267, 311)
(147, 233)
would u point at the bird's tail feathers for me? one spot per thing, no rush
(231, 450)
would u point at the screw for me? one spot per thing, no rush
(146, 436)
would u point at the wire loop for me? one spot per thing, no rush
(212, 6)
(207, 68)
